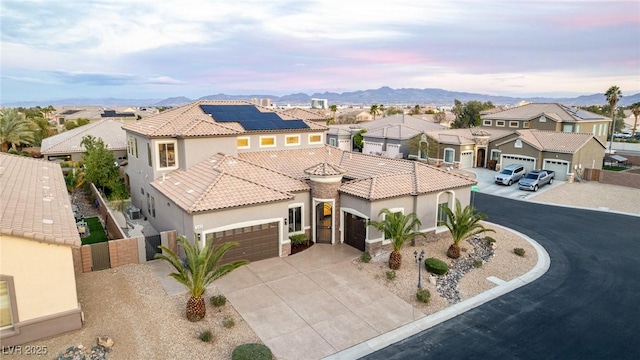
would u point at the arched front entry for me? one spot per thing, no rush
(481, 157)
(324, 222)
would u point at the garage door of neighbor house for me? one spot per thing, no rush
(528, 163)
(372, 148)
(257, 242)
(355, 231)
(466, 159)
(560, 167)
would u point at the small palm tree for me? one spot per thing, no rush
(613, 94)
(397, 227)
(635, 110)
(462, 224)
(15, 129)
(374, 110)
(334, 109)
(200, 268)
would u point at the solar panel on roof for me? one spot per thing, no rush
(250, 117)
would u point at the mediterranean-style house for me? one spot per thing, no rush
(67, 145)
(235, 171)
(38, 297)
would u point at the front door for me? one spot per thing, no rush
(324, 221)
(481, 157)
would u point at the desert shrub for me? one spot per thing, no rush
(228, 322)
(477, 263)
(218, 300)
(518, 251)
(423, 295)
(489, 240)
(436, 266)
(391, 274)
(206, 336)
(365, 257)
(251, 352)
(298, 239)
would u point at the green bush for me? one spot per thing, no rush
(218, 300)
(477, 263)
(365, 257)
(518, 251)
(251, 352)
(490, 240)
(423, 295)
(228, 322)
(206, 336)
(391, 274)
(436, 266)
(298, 239)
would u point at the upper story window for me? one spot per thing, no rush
(315, 138)
(526, 125)
(449, 155)
(292, 140)
(149, 153)
(243, 143)
(267, 141)
(486, 122)
(166, 154)
(499, 123)
(514, 124)
(518, 144)
(132, 146)
(543, 119)
(567, 128)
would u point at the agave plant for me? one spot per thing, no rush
(462, 224)
(200, 268)
(398, 228)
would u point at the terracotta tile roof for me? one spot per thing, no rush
(555, 141)
(305, 114)
(35, 202)
(325, 169)
(465, 136)
(554, 111)
(223, 181)
(110, 131)
(190, 121)
(395, 131)
(293, 162)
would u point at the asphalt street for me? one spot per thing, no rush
(587, 306)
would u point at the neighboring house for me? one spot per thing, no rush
(67, 145)
(364, 116)
(315, 115)
(234, 171)
(341, 136)
(549, 117)
(64, 114)
(463, 148)
(38, 297)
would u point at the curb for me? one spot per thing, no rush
(415, 327)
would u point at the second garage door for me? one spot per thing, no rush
(466, 159)
(257, 242)
(528, 163)
(560, 167)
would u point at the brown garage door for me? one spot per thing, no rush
(256, 242)
(355, 231)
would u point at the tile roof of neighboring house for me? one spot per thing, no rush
(465, 136)
(191, 121)
(305, 114)
(395, 131)
(554, 111)
(554, 141)
(110, 131)
(223, 181)
(325, 169)
(35, 202)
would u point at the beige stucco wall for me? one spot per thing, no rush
(43, 276)
(590, 155)
(254, 141)
(194, 150)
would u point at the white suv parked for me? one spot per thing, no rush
(510, 174)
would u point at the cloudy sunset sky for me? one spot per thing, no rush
(57, 49)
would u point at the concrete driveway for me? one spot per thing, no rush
(314, 303)
(485, 178)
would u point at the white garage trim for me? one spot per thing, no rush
(466, 159)
(528, 162)
(374, 148)
(561, 167)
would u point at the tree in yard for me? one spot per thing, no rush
(612, 95)
(383, 110)
(416, 110)
(358, 140)
(462, 224)
(635, 110)
(200, 268)
(100, 165)
(334, 110)
(15, 129)
(75, 179)
(398, 228)
(468, 115)
(439, 117)
(374, 110)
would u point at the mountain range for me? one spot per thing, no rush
(384, 95)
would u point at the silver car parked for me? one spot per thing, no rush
(510, 174)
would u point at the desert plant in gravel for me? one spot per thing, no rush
(217, 300)
(206, 336)
(399, 228)
(423, 295)
(251, 351)
(477, 263)
(391, 275)
(462, 224)
(200, 268)
(436, 266)
(365, 257)
(228, 322)
(519, 251)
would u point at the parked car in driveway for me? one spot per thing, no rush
(536, 179)
(510, 174)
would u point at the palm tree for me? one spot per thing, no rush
(382, 110)
(200, 268)
(334, 109)
(635, 110)
(374, 110)
(416, 109)
(398, 228)
(75, 179)
(15, 129)
(462, 224)
(613, 95)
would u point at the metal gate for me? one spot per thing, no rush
(100, 259)
(151, 245)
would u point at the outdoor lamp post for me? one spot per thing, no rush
(419, 259)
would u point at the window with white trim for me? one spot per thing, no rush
(243, 142)
(166, 152)
(517, 144)
(292, 140)
(449, 155)
(526, 125)
(315, 138)
(567, 128)
(8, 310)
(333, 141)
(442, 213)
(499, 123)
(151, 206)
(542, 118)
(514, 124)
(132, 146)
(495, 154)
(594, 131)
(267, 141)
(486, 122)
(578, 128)
(295, 219)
